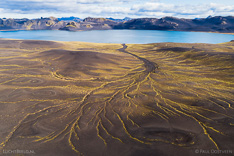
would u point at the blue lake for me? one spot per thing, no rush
(120, 36)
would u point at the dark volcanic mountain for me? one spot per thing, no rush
(211, 24)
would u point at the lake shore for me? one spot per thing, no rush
(222, 33)
(77, 98)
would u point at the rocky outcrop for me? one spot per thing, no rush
(90, 24)
(71, 26)
(35, 24)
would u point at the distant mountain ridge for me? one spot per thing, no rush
(209, 24)
(120, 20)
(70, 19)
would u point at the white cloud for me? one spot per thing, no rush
(200, 10)
(110, 8)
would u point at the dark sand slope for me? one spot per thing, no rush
(71, 98)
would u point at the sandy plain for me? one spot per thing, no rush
(74, 98)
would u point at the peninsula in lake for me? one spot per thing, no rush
(209, 24)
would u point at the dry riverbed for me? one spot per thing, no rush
(74, 98)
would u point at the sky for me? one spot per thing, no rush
(115, 8)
